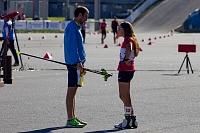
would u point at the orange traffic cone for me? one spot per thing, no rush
(43, 37)
(117, 36)
(30, 38)
(105, 46)
(47, 56)
(151, 43)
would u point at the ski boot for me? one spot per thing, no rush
(125, 124)
(134, 122)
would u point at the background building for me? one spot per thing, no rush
(57, 8)
(108, 8)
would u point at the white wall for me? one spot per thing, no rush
(140, 10)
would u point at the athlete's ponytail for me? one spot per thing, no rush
(136, 45)
(129, 32)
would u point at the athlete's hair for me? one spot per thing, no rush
(80, 9)
(129, 32)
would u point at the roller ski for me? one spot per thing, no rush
(128, 123)
(102, 72)
(81, 81)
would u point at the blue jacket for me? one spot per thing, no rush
(8, 31)
(73, 44)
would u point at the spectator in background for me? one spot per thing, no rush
(1, 14)
(23, 16)
(8, 31)
(19, 17)
(114, 26)
(83, 28)
(103, 26)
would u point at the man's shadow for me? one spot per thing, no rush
(45, 130)
(48, 130)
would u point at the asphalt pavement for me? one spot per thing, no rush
(164, 101)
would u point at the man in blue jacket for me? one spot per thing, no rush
(8, 32)
(74, 58)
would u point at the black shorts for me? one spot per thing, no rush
(114, 31)
(125, 76)
(103, 32)
(72, 75)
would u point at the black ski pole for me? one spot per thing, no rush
(13, 26)
(102, 72)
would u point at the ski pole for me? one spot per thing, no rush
(102, 72)
(13, 26)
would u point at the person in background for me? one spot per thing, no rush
(114, 26)
(83, 28)
(23, 16)
(129, 50)
(103, 26)
(1, 15)
(19, 17)
(75, 58)
(8, 31)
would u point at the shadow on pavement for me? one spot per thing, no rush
(171, 74)
(48, 130)
(45, 130)
(105, 131)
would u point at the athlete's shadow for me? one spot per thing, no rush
(105, 131)
(48, 130)
(45, 130)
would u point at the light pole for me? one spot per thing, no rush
(8, 6)
(67, 10)
(36, 9)
(45, 9)
(15, 5)
(96, 14)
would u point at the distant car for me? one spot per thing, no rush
(124, 14)
(36, 17)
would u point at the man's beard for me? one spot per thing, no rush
(82, 22)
